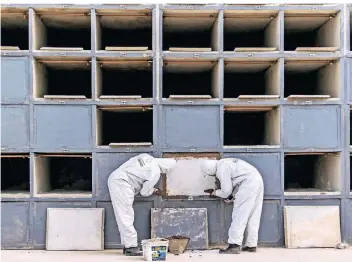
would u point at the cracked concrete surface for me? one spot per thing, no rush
(263, 255)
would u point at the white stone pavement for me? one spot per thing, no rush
(263, 255)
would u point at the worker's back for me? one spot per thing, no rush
(240, 170)
(136, 171)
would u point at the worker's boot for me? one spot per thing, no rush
(231, 249)
(249, 249)
(133, 251)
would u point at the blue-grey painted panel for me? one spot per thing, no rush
(349, 77)
(39, 227)
(312, 127)
(141, 222)
(191, 126)
(313, 202)
(213, 212)
(105, 164)
(268, 166)
(15, 225)
(271, 230)
(348, 217)
(59, 126)
(14, 126)
(14, 79)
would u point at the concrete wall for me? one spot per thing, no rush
(36, 128)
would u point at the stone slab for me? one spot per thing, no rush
(187, 222)
(312, 226)
(75, 229)
(187, 178)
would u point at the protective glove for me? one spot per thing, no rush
(158, 192)
(211, 192)
(229, 200)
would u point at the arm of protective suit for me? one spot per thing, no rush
(224, 175)
(148, 186)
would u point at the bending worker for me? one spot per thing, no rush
(241, 184)
(138, 175)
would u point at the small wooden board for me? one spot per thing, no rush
(10, 48)
(190, 97)
(255, 49)
(126, 48)
(61, 49)
(256, 97)
(130, 144)
(186, 49)
(316, 49)
(304, 97)
(64, 97)
(120, 97)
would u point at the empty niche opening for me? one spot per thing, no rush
(15, 174)
(251, 126)
(14, 31)
(197, 79)
(125, 79)
(62, 30)
(127, 31)
(312, 78)
(62, 79)
(194, 30)
(309, 173)
(125, 126)
(243, 79)
(67, 174)
(254, 30)
(311, 30)
(350, 126)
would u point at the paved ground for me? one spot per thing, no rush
(263, 255)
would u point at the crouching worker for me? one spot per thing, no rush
(241, 184)
(138, 175)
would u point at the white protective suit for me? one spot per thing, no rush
(243, 180)
(138, 175)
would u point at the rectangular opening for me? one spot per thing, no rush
(312, 173)
(319, 79)
(311, 29)
(62, 79)
(190, 79)
(190, 30)
(251, 31)
(243, 78)
(350, 126)
(71, 30)
(244, 126)
(119, 79)
(186, 178)
(14, 31)
(117, 31)
(15, 173)
(125, 126)
(63, 174)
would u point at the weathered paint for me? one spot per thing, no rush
(186, 222)
(179, 126)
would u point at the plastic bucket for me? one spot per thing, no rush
(155, 249)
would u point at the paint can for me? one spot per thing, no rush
(155, 249)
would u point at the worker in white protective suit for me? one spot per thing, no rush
(138, 175)
(242, 184)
